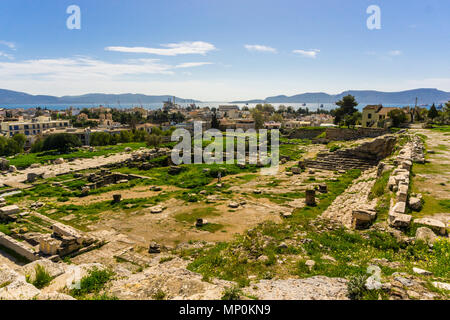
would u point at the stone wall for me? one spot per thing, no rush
(336, 134)
(305, 133)
(18, 247)
(399, 182)
(363, 157)
(343, 134)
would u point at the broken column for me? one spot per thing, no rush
(117, 198)
(310, 197)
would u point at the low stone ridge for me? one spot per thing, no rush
(314, 288)
(363, 157)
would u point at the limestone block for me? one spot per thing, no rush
(19, 290)
(9, 210)
(400, 220)
(425, 234)
(399, 208)
(437, 226)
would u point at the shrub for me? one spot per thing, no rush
(94, 282)
(233, 293)
(61, 141)
(42, 277)
(357, 287)
(159, 295)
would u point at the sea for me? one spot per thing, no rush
(154, 106)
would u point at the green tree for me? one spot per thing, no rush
(398, 117)
(433, 113)
(214, 121)
(350, 120)
(153, 140)
(258, 118)
(347, 107)
(62, 142)
(100, 139)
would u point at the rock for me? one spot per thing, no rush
(53, 296)
(35, 165)
(12, 168)
(263, 258)
(399, 207)
(362, 218)
(155, 188)
(59, 161)
(425, 234)
(156, 209)
(7, 275)
(127, 149)
(9, 210)
(117, 198)
(199, 223)
(400, 220)
(422, 272)
(313, 288)
(415, 203)
(441, 285)
(154, 248)
(233, 205)
(286, 214)
(437, 226)
(373, 284)
(310, 197)
(404, 281)
(296, 170)
(310, 264)
(282, 245)
(52, 268)
(257, 191)
(323, 188)
(19, 290)
(328, 258)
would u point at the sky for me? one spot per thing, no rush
(217, 50)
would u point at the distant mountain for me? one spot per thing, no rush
(425, 96)
(14, 97)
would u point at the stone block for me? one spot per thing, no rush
(437, 226)
(400, 220)
(9, 210)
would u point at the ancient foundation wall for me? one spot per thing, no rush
(343, 134)
(18, 247)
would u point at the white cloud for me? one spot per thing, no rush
(395, 53)
(308, 53)
(5, 55)
(10, 45)
(192, 64)
(79, 68)
(171, 49)
(260, 48)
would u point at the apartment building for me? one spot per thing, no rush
(31, 127)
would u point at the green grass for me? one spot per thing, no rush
(211, 227)
(191, 216)
(41, 279)
(380, 186)
(222, 262)
(25, 160)
(192, 176)
(92, 284)
(441, 128)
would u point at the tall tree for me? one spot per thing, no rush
(347, 107)
(433, 113)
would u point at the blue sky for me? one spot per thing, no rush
(223, 50)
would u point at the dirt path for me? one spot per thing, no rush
(56, 169)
